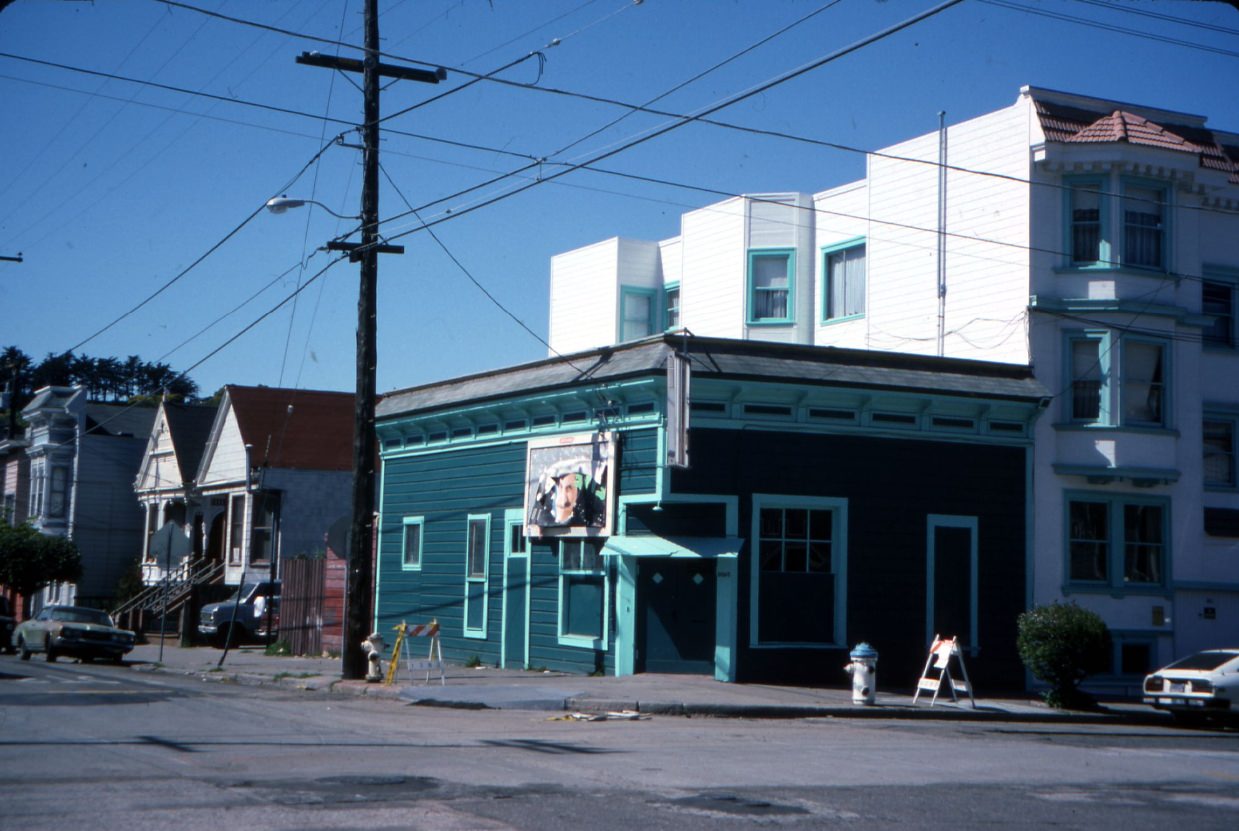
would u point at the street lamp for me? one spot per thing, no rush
(280, 204)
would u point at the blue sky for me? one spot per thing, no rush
(111, 189)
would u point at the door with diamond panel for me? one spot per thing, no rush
(675, 615)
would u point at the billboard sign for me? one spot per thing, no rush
(568, 487)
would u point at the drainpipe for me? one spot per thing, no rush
(941, 233)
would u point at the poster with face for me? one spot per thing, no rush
(567, 486)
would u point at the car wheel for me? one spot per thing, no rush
(21, 647)
(220, 638)
(50, 654)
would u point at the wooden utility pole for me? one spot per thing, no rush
(360, 592)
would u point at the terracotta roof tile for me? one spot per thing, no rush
(1068, 124)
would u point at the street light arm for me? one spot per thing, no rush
(280, 204)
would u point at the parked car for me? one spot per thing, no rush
(245, 613)
(7, 624)
(1200, 685)
(75, 632)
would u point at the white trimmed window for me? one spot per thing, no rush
(411, 543)
(844, 293)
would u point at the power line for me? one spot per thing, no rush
(201, 258)
(1110, 27)
(1129, 9)
(701, 74)
(731, 100)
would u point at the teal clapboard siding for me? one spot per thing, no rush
(445, 488)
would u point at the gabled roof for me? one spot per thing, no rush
(297, 429)
(119, 420)
(728, 359)
(1074, 119)
(189, 425)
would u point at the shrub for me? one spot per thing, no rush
(1061, 644)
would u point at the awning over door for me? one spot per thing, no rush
(649, 545)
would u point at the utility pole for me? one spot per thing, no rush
(360, 592)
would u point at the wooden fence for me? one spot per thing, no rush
(312, 604)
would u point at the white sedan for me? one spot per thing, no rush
(1203, 684)
(73, 631)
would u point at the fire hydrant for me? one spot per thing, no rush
(864, 670)
(374, 655)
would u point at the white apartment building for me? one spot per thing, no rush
(1096, 241)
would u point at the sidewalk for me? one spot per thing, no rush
(648, 694)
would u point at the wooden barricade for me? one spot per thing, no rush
(399, 651)
(943, 654)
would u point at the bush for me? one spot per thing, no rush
(1061, 644)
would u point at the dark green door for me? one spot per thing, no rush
(515, 613)
(675, 615)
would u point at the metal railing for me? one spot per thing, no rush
(175, 591)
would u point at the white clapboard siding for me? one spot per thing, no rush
(226, 462)
(712, 283)
(583, 297)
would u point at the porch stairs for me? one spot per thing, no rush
(176, 589)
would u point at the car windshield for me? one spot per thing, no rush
(1204, 660)
(84, 616)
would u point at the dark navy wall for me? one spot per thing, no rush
(445, 488)
(892, 486)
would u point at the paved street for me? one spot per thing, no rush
(103, 747)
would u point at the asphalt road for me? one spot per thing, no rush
(100, 747)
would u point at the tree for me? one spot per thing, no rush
(30, 561)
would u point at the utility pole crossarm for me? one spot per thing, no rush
(387, 70)
(360, 596)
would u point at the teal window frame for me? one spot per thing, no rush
(1110, 530)
(1132, 388)
(1073, 185)
(414, 563)
(477, 580)
(837, 508)
(1120, 640)
(671, 311)
(754, 291)
(829, 252)
(577, 573)
(623, 322)
(1220, 453)
(1222, 333)
(1075, 391)
(1127, 230)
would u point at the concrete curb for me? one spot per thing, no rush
(517, 697)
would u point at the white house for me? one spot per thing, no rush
(165, 484)
(275, 473)
(1096, 241)
(83, 457)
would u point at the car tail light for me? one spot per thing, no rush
(1154, 683)
(1202, 685)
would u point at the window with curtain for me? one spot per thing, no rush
(673, 307)
(1086, 379)
(1117, 542)
(1219, 452)
(1144, 210)
(770, 286)
(1143, 389)
(1086, 223)
(845, 283)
